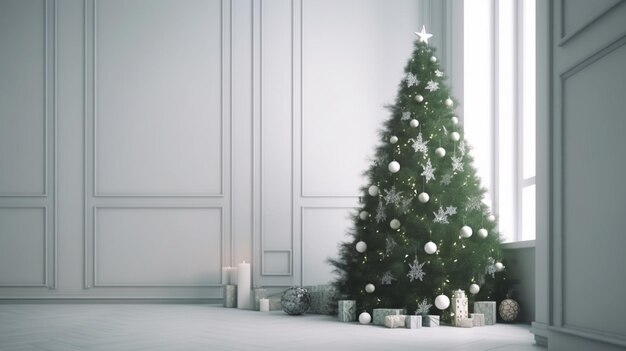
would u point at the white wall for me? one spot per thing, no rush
(581, 194)
(146, 144)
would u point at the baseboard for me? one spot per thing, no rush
(540, 330)
(597, 340)
(101, 300)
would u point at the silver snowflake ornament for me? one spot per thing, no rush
(419, 145)
(429, 171)
(411, 80)
(446, 179)
(380, 213)
(441, 216)
(473, 203)
(450, 210)
(416, 271)
(393, 197)
(457, 164)
(406, 116)
(387, 278)
(432, 85)
(405, 205)
(438, 73)
(423, 307)
(390, 244)
(462, 147)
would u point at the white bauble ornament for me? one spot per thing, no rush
(455, 136)
(474, 289)
(423, 197)
(361, 246)
(414, 123)
(373, 190)
(393, 139)
(499, 267)
(442, 302)
(365, 318)
(433, 59)
(440, 152)
(369, 288)
(419, 98)
(465, 231)
(449, 102)
(394, 166)
(364, 214)
(491, 218)
(394, 224)
(482, 233)
(430, 247)
(455, 120)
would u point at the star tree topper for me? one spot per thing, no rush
(423, 36)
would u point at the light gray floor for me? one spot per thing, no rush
(210, 327)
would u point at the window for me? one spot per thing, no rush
(499, 107)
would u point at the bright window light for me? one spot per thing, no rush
(499, 92)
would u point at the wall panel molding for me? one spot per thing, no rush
(48, 84)
(560, 193)
(95, 254)
(567, 36)
(46, 250)
(276, 194)
(45, 199)
(93, 95)
(96, 197)
(275, 263)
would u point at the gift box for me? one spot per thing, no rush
(230, 296)
(347, 310)
(381, 313)
(459, 308)
(323, 298)
(257, 295)
(275, 304)
(413, 322)
(430, 321)
(465, 323)
(478, 319)
(395, 321)
(488, 309)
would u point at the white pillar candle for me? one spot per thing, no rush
(225, 275)
(264, 305)
(233, 275)
(243, 285)
(230, 296)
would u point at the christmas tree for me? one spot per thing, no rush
(422, 229)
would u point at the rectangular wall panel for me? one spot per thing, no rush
(579, 14)
(158, 97)
(23, 97)
(353, 53)
(157, 246)
(322, 230)
(594, 197)
(276, 262)
(276, 125)
(23, 246)
(242, 133)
